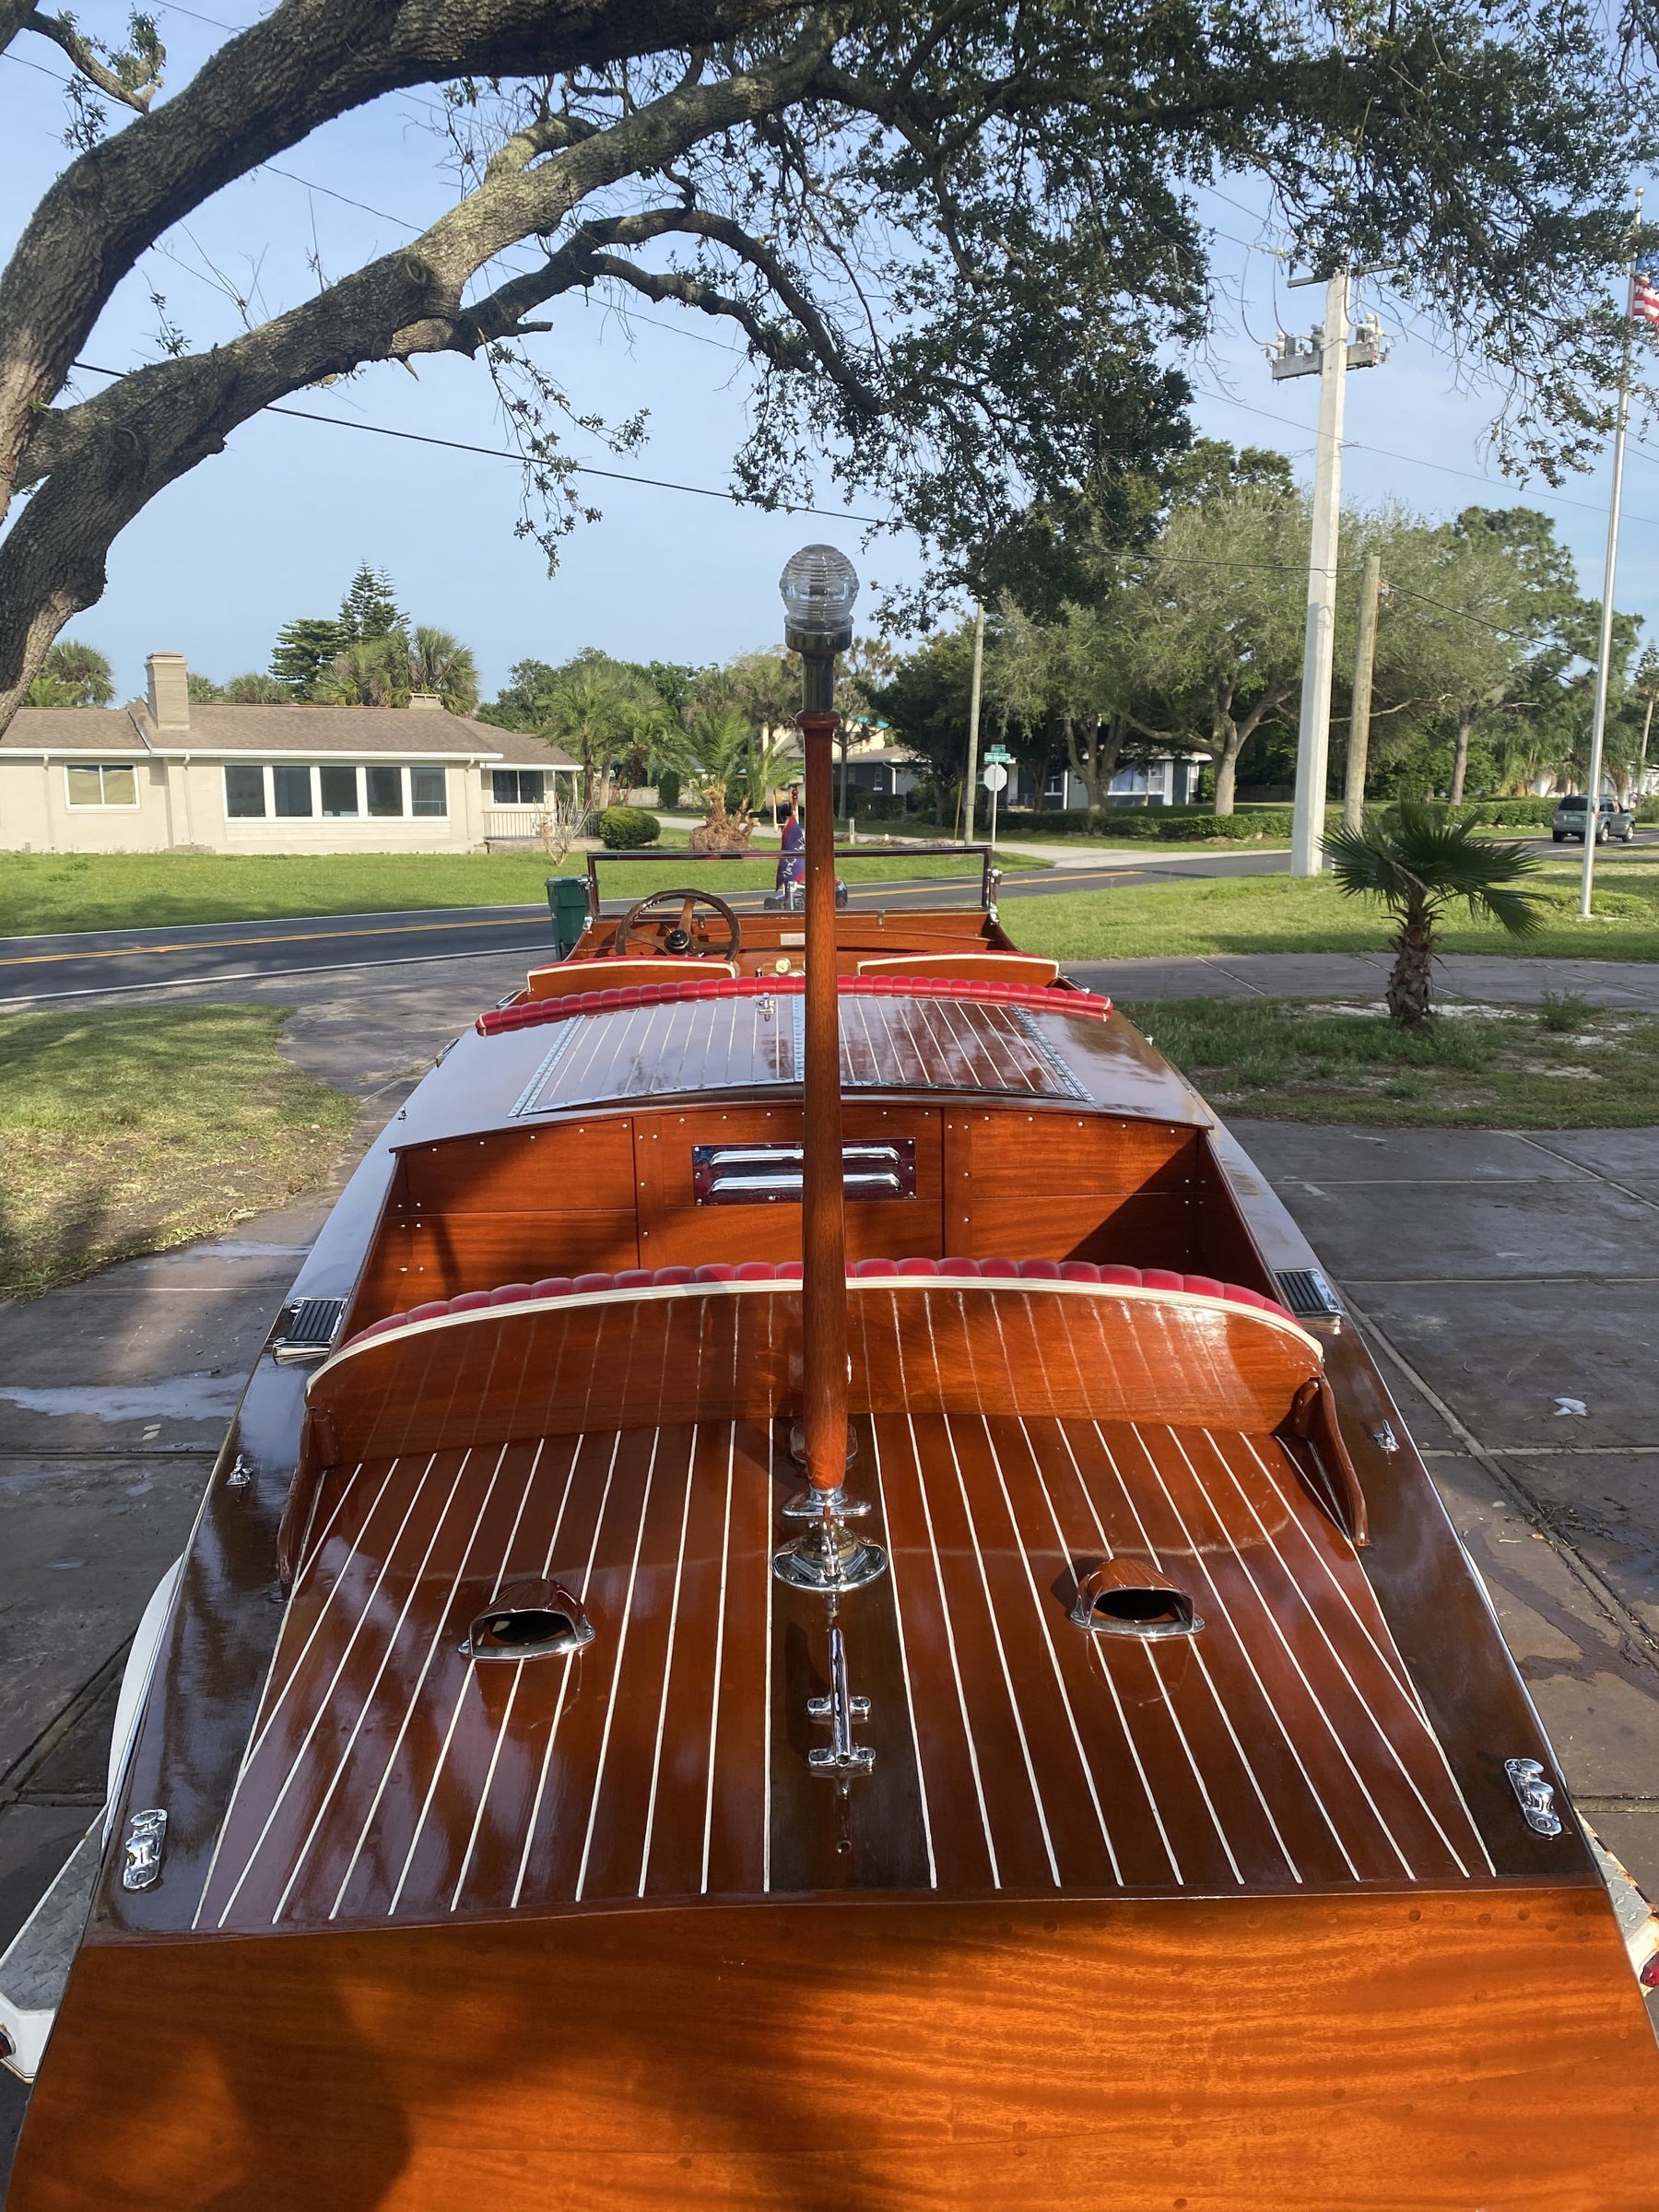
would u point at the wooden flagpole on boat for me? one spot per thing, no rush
(819, 587)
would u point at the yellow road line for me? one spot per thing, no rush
(304, 936)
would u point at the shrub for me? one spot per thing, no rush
(623, 827)
(668, 788)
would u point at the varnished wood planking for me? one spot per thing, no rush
(578, 1167)
(731, 1350)
(1360, 2054)
(1283, 1746)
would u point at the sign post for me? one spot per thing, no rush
(995, 779)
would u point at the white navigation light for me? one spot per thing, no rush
(819, 586)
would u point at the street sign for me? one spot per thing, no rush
(995, 777)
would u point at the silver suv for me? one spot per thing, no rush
(1614, 820)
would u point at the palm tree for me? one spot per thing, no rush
(1418, 864)
(590, 710)
(372, 672)
(441, 664)
(73, 674)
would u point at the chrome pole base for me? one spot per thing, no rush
(812, 1505)
(828, 1556)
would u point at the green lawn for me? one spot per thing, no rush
(1280, 913)
(1563, 1067)
(123, 1133)
(45, 892)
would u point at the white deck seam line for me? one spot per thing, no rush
(1002, 1657)
(564, 1683)
(1150, 1650)
(1040, 1609)
(1396, 1665)
(616, 1680)
(379, 1672)
(679, 1571)
(264, 1728)
(1371, 1711)
(518, 1673)
(725, 1553)
(1100, 1652)
(327, 1697)
(904, 1668)
(979, 1787)
(1227, 1721)
(1273, 1620)
(309, 1561)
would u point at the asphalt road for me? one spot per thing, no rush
(96, 963)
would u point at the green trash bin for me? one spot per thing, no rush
(567, 902)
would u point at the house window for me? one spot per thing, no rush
(112, 786)
(291, 792)
(427, 794)
(518, 786)
(385, 791)
(244, 792)
(340, 790)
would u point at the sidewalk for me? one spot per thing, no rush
(1483, 978)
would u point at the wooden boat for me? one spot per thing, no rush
(815, 1603)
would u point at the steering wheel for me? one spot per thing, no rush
(681, 936)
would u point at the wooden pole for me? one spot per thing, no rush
(1365, 660)
(823, 1214)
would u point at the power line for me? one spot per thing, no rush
(580, 468)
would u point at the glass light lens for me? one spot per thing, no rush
(819, 585)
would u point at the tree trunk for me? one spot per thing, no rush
(1226, 743)
(1460, 758)
(1410, 987)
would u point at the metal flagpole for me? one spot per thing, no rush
(1598, 723)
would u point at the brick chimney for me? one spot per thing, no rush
(169, 691)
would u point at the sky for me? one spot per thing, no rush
(275, 526)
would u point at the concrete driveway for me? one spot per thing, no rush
(1502, 1280)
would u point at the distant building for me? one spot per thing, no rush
(165, 773)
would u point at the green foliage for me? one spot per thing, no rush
(370, 608)
(621, 829)
(73, 674)
(202, 689)
(668, 788)
(1418, 863)
(1563, 1011)
(257, 690)
(303, 650)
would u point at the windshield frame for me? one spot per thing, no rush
(872, 849)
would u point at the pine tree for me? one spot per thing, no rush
(303, 650)
(368, 609)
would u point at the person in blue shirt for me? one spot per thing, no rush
(792, 860)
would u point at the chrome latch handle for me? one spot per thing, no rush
(839, 1709)
(1534, 1795)
(142, 1851)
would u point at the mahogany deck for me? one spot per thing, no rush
(1282, 1748)
(744, 1043)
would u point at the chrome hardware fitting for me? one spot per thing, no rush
(141, 1853)
(1383, 1435)
(808, 1505)
(840, 1710)
(535, 1620)
(1131, 1598)
(1534, 1795)
(240, 1475)
(828, 1556)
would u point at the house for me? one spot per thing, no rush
(166, 772)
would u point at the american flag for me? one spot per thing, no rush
(1645, 292)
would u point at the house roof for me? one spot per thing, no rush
(295, 730)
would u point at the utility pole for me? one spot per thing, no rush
(1329, 355)
(973, 715)
(1604, 665)
(1365, 657)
